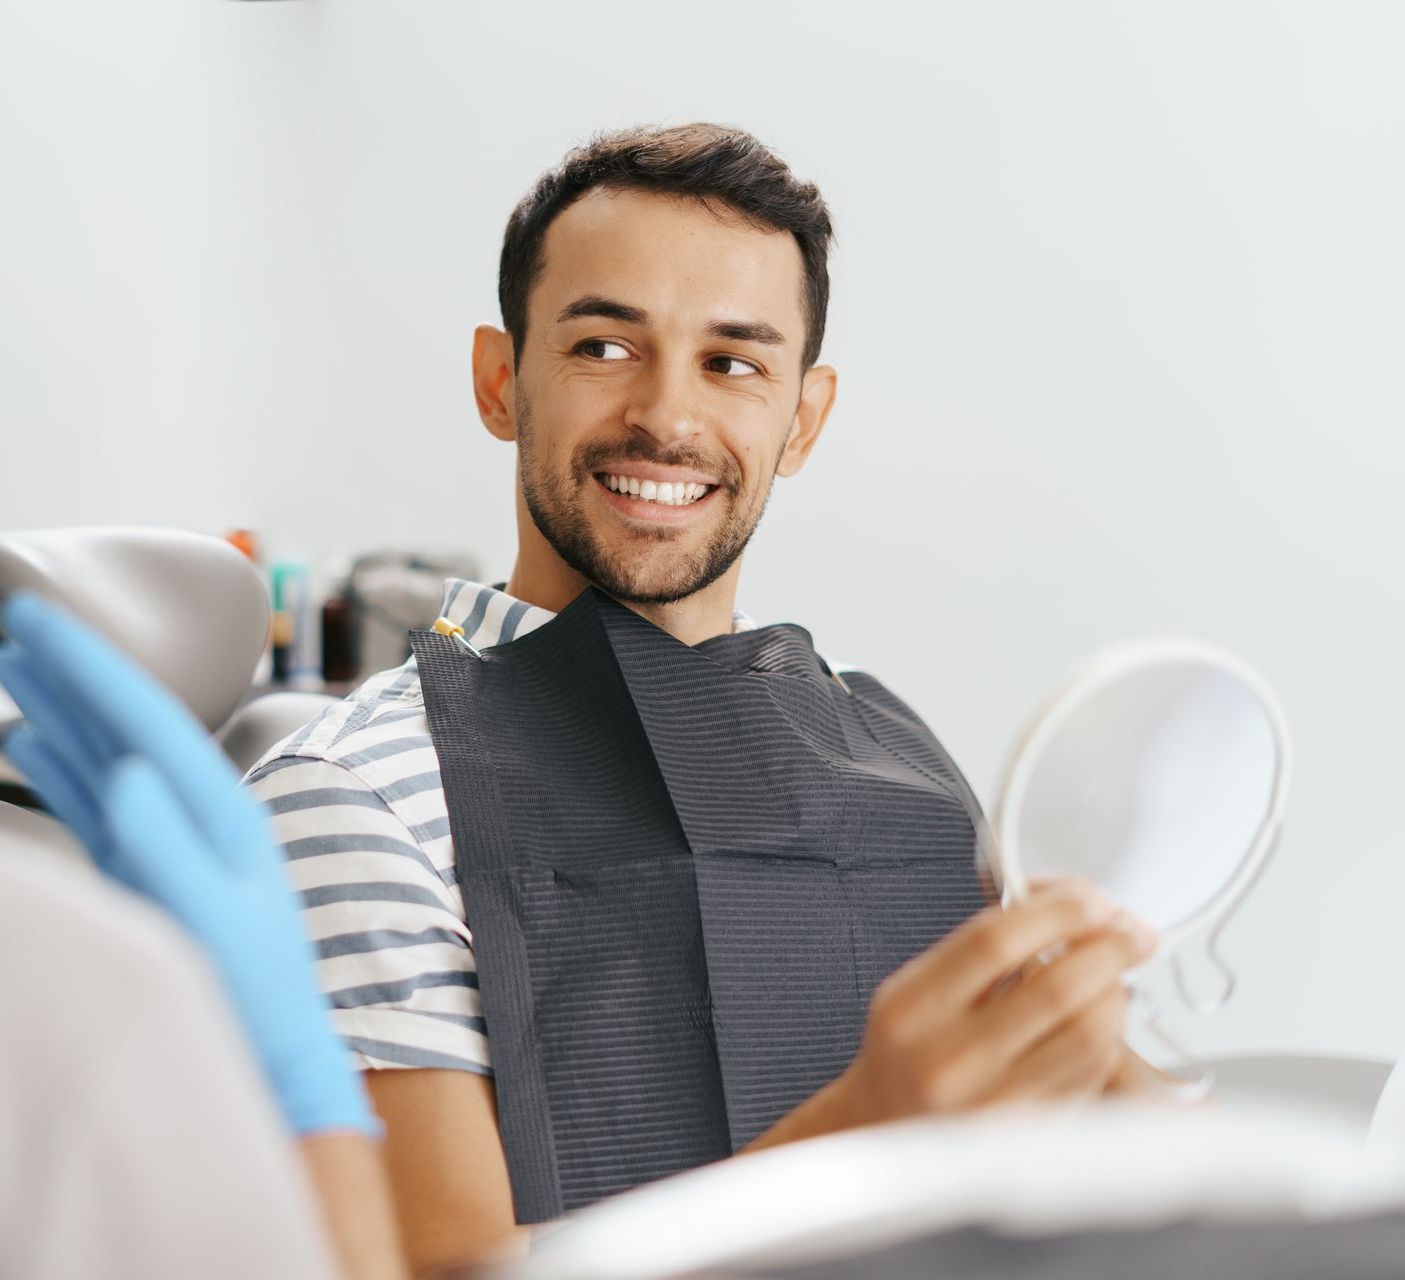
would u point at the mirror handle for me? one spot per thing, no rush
(1216, 958)
(1192, 1085)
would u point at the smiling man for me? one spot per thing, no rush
(670, 377)
(607, 881)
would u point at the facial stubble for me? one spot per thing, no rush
(632, 574)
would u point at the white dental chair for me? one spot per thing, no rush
(189, 607)
(1349, 1087)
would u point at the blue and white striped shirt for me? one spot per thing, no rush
(358, 807)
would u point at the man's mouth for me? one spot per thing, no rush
(667, 493)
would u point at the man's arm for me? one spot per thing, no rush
(447, 1171)
(396, 961)
(348, 1173)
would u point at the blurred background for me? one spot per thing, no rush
(1118, 310)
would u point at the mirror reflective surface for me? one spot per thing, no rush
(1160, 773)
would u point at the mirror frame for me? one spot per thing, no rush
(1101, 671)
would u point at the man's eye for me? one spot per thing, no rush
(602, 349)
(731, 366)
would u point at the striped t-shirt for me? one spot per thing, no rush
(356, 802)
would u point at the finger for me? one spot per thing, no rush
(1077, 1059)
(993, 944)
(69, 733)
(157, 849)
(63, 792)
(1063, 991)
(141, 716)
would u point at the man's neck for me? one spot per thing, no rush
(699, 617)
(540, 577)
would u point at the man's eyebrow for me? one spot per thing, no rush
(592, 304)
(747, 331)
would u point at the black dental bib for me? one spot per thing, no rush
(685, 871)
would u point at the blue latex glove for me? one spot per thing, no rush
(158, 806)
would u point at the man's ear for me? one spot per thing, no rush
(817, 391)
(493, 381)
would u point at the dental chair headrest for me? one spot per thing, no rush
(25, 832)
(187, 606)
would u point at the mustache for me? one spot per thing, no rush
(598, 456)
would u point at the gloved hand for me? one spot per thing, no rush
(130, 770)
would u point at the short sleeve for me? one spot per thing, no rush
(394, 952)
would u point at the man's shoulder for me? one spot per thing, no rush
(861, 681)
(383, 718)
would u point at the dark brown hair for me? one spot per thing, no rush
(717, 165)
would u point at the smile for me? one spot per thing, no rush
(669, 494)
(655, 502)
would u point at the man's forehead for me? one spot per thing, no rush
(671, 255)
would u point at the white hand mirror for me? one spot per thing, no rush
(1160, 773)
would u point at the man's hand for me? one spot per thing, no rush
(1021, 1004)
(983, 1018)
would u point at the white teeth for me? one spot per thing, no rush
(672, 494)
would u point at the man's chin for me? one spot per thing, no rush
(643, 566)
(649, 589)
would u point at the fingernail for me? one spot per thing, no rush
(1098, 908)
(1143, 936)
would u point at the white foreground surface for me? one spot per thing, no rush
(1115, 1165)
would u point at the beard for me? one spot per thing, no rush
(649, 571)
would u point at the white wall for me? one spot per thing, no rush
(1118, 313)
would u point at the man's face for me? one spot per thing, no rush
(657, 389)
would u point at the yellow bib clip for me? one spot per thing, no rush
(446, 628)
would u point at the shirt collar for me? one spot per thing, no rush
(490, 617)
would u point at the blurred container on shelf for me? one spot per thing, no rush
(390, 592)
(334, 623)
(244, 540)
(341, 661)
(297, 646)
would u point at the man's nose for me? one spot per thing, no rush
(663, 404)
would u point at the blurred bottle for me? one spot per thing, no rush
(296, 642)
(341, 662)
(244, 540)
